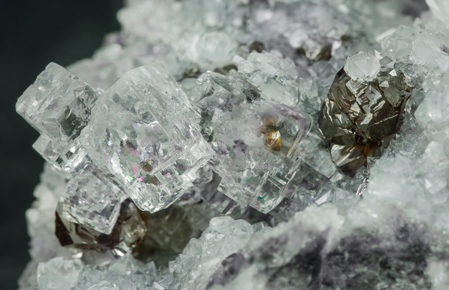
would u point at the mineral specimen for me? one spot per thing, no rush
(364, 110)
(157, 154)
(212, 170)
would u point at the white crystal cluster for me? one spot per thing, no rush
(213, 106)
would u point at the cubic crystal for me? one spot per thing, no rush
(92, 202)
(256, 141)
(242, 148)
(58, 105)
(146, 137)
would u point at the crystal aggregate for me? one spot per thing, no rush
(281, 144)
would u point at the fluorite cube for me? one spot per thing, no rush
(92, 201)
(58, 105)
(260, 161)
(255, 140)
(143, 132)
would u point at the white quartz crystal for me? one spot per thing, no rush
(58, 273)
(362, 66)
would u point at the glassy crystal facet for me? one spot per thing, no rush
(146, 137)
(92, 202)
(249, 70)
(255, 140)
(58, 105)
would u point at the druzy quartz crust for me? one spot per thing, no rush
(281, 144)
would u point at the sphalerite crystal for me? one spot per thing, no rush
(128, 231)
(193, 150)
(364, 110)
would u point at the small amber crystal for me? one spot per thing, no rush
(273, 140)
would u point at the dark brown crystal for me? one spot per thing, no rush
(128, 232)
(359, 118)
(317, 48)
(225, 69)
(62, 233)
(257, 46)
(167, 230)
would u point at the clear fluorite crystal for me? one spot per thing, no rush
(274, 76)
(146, 137)
(141, 136)
(59, 106)
(92, 202)
(256, 141)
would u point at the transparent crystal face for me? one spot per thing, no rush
(140, 139)
(274, 76)
(362, 66)
(58, 105)
(258, 168)
(255, 140)
(322, 235)
(147, 138)
(92, 202)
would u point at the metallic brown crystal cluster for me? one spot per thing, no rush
(359, 118)
(128, 232)
(168, 230)
(142, 234)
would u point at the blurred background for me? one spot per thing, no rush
(32, 34)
